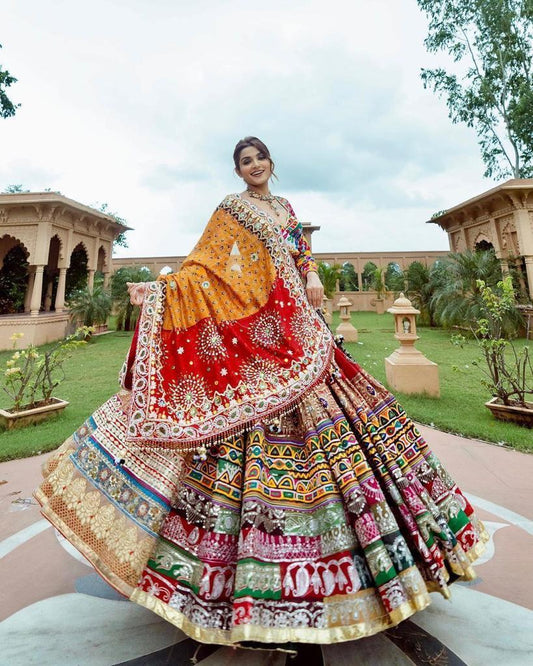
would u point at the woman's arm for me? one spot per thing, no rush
(305, 262)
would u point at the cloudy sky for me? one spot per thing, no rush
(139, 104)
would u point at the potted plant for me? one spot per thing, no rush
(30, 378)
(508, 371)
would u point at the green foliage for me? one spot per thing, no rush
(456, 299)
(419, 290)
(7, 108)
(76, 272)
(329, 275)
(367, 275)
(492, 43)
(394, 277)
(15, 189)
(13, 280)
(378, 282)
(92, 308)
(120, 240)
(348, 278)
(31, 376)
(126, 313)
(508, 372)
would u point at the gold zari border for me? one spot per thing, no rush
(248, 632)
(103, 569)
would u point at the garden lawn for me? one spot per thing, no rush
(91, 378)
(460, 409)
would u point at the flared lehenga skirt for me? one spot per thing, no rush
(329, 523)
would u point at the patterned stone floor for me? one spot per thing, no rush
(55, 610)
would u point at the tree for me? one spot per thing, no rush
(120, 240)
(348, 278)
(394, 277)
(492, 42)
(378, 282)
(367, 275)
(329, 276)
(13, 281)
(420, 290)
(15, 189)
(127, 313)
(7, 108)
(457, 299)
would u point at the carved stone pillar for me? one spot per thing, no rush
(90, 281)
(29, 289)
(529, 272)
(107, 277)
(35, 303)
(60, 296)
(48, 296)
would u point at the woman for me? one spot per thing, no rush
(250, 482)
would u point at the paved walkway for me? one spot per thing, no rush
(54, 609)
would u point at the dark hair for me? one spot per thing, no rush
(248, 142)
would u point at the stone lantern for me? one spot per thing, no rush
(407, 369)
(346, 328)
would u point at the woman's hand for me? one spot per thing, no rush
(314, 289)
(136, 291)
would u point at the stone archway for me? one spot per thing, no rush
(367, 275)
(349, 279)
(14, 275)
(77, 272)
(51, 274)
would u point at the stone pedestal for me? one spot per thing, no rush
(346, 328)
(409, 371)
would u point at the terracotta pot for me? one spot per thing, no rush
(520, 415)
(25, 417)
(380, 305)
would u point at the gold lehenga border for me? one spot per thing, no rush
(103, 570)
(261, 634)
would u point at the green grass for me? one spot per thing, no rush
(93, 369)
(460, 409)
(91, 378)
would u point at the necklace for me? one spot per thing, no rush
(269, 198)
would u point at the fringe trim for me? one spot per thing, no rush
(201, 444)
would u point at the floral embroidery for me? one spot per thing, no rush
(210, 343)
(266, 330)
(261, 372)
(187, 395)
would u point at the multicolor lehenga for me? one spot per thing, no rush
(250, 482)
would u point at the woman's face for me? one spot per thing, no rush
(254, 167)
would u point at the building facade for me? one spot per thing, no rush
(501, 218)
(48, 242)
